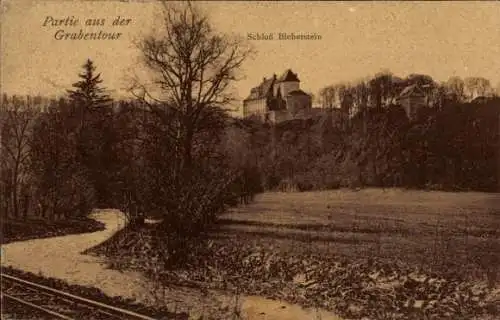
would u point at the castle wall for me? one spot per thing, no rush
(285, 115)
(411, 105)
(286, 87)
(297, 103)
(254, 107)
(277, 116)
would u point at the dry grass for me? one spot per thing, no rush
(415, 209)
(381, 254)
(427, 228)
(439, 235)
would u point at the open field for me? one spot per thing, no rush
(381, 254)
(437, 228)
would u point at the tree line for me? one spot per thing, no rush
(384, 88)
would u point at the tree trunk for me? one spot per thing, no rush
(498, 154)
(187, 159)
(54, 207)
(43, 209)
(26, 206)
(14, 200)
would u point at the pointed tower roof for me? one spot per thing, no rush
(262, 90)
(288, 76)
(411, 90)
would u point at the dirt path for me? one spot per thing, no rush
(60, 257)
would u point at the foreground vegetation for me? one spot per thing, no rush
(20, 230)
(380, 254)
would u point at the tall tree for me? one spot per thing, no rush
(59, 179)
(455, 88)
(193, 68)
(477, 86)
(381, 89)
(327, 97)
(91, 113)
(87, 93)
(361, 93)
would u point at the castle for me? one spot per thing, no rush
(278, 99)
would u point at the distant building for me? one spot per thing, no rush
(278, 99)
(412, 98)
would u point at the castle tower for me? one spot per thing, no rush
(286, 83)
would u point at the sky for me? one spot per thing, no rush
(358, 39)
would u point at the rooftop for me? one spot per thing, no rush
(288, 75)
(411, 91)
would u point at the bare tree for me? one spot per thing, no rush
(361, 93)
(381, 89)
(477, 86)
(193, 69)
(455, 87)
(18, 118)
(327, 97)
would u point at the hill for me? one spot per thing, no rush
(451, 148)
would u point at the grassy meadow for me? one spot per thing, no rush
(381, 254)
(427, 228)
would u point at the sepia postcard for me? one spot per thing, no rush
(260, 160)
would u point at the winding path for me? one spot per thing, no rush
(60, 257)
